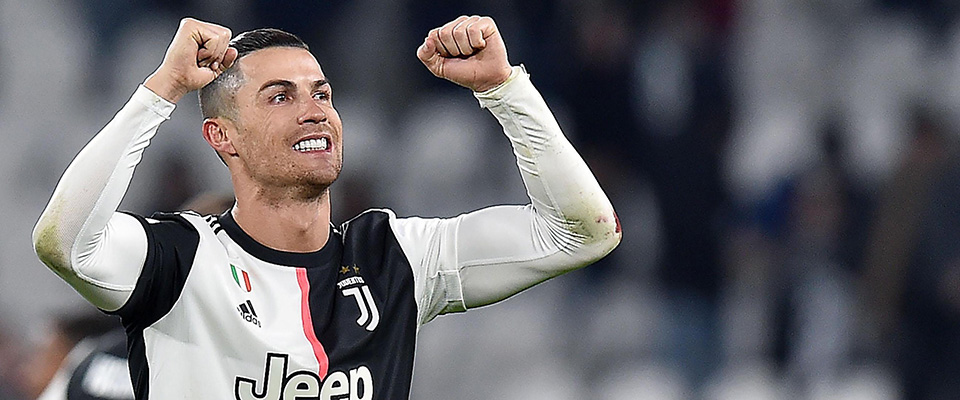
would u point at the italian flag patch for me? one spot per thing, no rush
(240, 276)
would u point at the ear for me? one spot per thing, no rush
(215, 133)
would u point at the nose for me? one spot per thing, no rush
(312, 113)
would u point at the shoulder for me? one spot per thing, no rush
(387, 219)
(180, 222)
(414, 235)
(373, 214)
(185, 218)
(372, 222)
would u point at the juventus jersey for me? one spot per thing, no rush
(340, 322)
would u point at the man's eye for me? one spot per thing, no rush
(321, 95)
(279, 98)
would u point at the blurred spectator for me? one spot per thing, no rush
(897, 226)
(47, 367)
(177, 183)
(9, 353)
(102, 375)
(682, 111)
(817, 308)
(923, 297)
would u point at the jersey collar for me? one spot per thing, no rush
(321, 257)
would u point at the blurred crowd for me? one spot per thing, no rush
(786, 173)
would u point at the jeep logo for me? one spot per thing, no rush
(278, 385)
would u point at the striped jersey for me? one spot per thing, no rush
(217, 315)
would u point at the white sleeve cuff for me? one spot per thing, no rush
(153, 102)
(519, 80)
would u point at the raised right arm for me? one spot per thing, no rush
(80, 235)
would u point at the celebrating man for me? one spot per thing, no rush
(269, 300)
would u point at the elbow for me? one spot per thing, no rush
(47, 246)
(595, 239)
(606, 235)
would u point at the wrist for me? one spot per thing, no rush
(500, 79)
(492, 91)
(165, 86)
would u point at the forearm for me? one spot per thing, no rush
(73, 227)
(561, 187)
(569, 224)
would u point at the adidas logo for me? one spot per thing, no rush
(248, 313)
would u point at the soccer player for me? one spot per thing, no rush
(269, 300)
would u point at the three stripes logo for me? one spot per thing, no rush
(241, 278)
(214, 223)
(248, 313)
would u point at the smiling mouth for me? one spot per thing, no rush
(308, 145)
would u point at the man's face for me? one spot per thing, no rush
(289, 134)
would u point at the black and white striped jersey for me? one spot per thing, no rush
(217, 315)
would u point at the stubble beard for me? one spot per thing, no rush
(299, 186)
(282, 179)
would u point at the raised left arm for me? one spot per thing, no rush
(488, 255)
(568, 224)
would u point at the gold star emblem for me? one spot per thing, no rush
(344, 269)
(356, 269)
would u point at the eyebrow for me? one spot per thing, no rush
(290, 85)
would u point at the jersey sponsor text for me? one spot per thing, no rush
(355, 384)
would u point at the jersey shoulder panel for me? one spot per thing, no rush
(412, 233)
(172, 241)
(429, 245)
(370, 231)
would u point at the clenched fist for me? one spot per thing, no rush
(198, 53)
(467, 51)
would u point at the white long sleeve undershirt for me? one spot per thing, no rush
(494, 252)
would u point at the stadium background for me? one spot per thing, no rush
(786, 173)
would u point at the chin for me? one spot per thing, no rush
(319, 183)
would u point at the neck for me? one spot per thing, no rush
(285, 223)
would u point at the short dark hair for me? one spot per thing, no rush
(216, 99)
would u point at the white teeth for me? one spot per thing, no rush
(311, 145)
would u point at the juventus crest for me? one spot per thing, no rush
(355, 287)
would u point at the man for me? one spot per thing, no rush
(269, 300)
